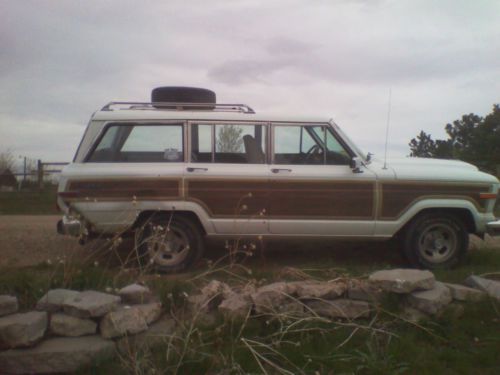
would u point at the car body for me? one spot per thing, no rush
(226, 171)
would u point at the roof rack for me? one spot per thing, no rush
(167, 106)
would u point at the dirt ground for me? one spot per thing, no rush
(32, 240)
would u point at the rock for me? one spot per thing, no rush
(8, 305)
(214, 288)
(210, 297)
(413, 315)
(431, 301)
(318, 289)
(403, 280)
(53, 300)
(236, 306)
(66, 325)
(135, 294)
(198, 303)
(128, 320)
(22, 330)
(364, 291)
(159, 333)
(340, 308)
(57, 355)
(491, 287)
(268, 297)
(463, 293)
(90, 304)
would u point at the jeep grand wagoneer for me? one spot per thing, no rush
(184, 167)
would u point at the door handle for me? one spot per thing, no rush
(278, 170)
(192, 169)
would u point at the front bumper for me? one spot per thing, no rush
(493, 228)
(69, 225)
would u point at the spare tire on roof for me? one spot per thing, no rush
(179, 94)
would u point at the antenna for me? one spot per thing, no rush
(387, 130)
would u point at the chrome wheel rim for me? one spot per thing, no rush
(437, 243)
(167, 246)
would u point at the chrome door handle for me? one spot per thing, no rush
(192, 169)
(278, 170)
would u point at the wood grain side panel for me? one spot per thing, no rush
(322, 199)
(229, 197)
(126, 188)
(398, 197)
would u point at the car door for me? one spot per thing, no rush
(227, 174)
(313, 190)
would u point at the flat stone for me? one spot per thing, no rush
(403, 280)
(268, 297)
(214, 288)
(158, 333)
(431, 301)
(22, 330)
(129, 320)
(364, 291)
(90, 304)
(464, 293)
(135, 294)
(53, 300)
(57, 355)
(66, 325)
(236, 306)
(491, 287)
(340, 308)
(8, 305)
(318, 289)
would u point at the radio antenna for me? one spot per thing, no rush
(387, 130)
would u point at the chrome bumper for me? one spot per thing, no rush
(70, 226)
(493, 228)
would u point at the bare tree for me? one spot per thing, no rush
(6, 160)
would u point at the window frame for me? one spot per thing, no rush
(134, 123)
(339, 139)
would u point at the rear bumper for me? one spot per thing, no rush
(69, 225)
(493, 228)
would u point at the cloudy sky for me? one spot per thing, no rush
(62, 60)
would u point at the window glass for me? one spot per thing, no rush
(140, 144)
(201, 143)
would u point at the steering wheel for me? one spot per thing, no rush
(313, 151)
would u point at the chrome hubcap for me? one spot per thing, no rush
(437, 243)
(167, 246)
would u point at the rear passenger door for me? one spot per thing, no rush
(227, 174)
(313, 190)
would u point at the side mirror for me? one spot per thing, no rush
(356, 164)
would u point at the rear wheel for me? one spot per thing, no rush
(170, 244)
(435, 241)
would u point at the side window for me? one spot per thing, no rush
(228, 143)
(301, 144)
(138, 143)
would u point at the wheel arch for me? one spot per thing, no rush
(146, 215)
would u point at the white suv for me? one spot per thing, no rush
(183, 167)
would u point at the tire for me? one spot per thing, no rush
(169, 243)
(435, 241)
(178, 94)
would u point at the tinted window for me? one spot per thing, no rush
(133, 143)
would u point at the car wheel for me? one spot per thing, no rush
(435, 241)
(169, 244)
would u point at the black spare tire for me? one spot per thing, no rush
(179, 94)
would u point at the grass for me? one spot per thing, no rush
(450, 344)
(29, 202)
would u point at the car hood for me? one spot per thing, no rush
(435, 170)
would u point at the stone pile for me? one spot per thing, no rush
(71, 329)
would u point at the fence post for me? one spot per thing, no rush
(40, 174)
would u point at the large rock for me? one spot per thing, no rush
(463, 293)
(236, 306)
(57, 355)
(128, 320)
(135, 294)
(431, 301)
(269, 298)
(66, 325)
(210, 297)
(215, 288)
(8, 305)
(90, 304)
(362, 290)
(158, 333)
(22, 330)
(491, 287)
(403, 280)
(318, 289)
(53, 300)
(340, 308)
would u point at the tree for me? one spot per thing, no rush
(472, 138)
(6, 160)
(229, 139)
